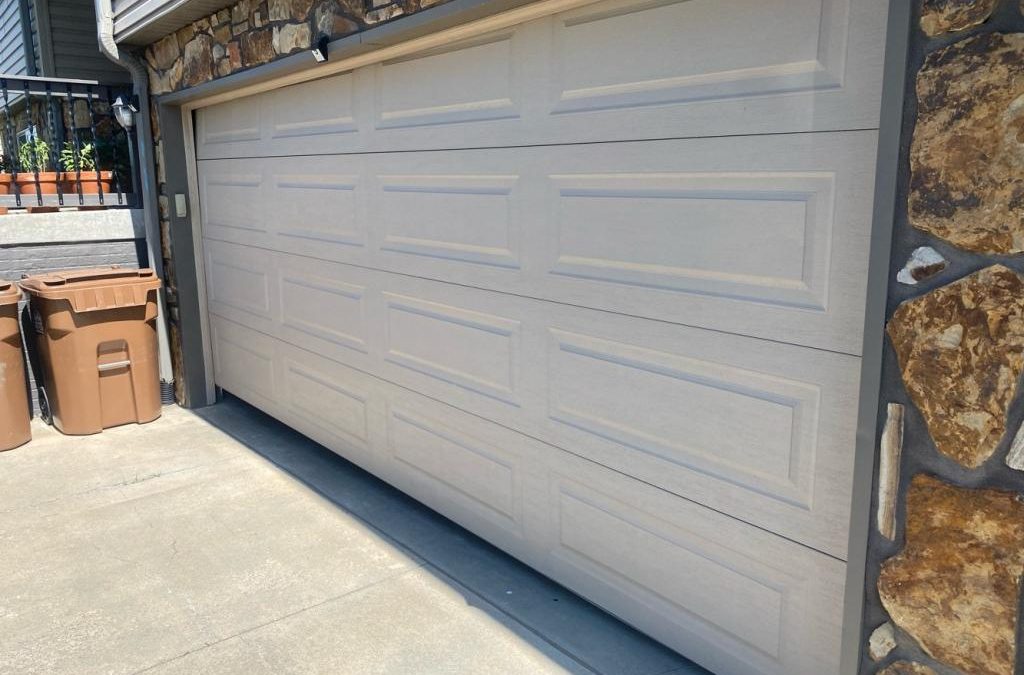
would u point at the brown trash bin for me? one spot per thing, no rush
(15, 415)
(97, 340)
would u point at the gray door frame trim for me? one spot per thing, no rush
(191, 296)
(869, 415)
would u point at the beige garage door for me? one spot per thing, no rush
(591, 286)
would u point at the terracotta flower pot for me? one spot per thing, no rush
(5, 184)
(47, 182)
(88, 179)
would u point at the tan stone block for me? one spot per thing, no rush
(961, 352)
(329, 18)
(234, 55)
(185, 34)
(955, 585)
(198, 61)
(164, 52)
(222, 34)
(257, 47)
(945, 16)
(967, 156)
(289, 10)
(291, 37)
(383, 14)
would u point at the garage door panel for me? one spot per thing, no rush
(243, 361)
(763, 236)
(476, 351)
(479, 476)
(741, 601)
(689, 50)
(470, 81)
(738, 598)
(592, 286)
(314, 206)
(231, 204)
(333, 116)
(304, 301)
(618, 70)
(338, 406)
(752, 428)
(241, 285)
(470, 218)
(669, 407)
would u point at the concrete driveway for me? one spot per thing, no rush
(223, 542)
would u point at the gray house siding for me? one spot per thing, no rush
(13, 57)
(68, 41)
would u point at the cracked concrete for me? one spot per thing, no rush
(219, 541)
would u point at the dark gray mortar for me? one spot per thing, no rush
(919, 452)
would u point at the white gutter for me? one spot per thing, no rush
(146, 167)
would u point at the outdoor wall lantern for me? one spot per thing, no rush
(124, 112)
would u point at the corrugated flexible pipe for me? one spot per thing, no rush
(147, 167)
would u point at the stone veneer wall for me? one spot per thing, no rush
(253, 32)
(245, 35)
(946, 552)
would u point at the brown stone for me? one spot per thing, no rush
(955, 585)
(967, 156)
(240, 28)
(222, 34)
(329, 18)
(960, 351)
(223, 68)
(257, 47)
(289, 10)
(186, 33)
(197, 63)
(945, 16)
(383, 14)
(163, 53)
(291, 37)
(234, 55)
(161, 82)
(223, 16)
(907, 668)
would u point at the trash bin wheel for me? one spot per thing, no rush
(45, 414)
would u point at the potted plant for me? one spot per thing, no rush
(5, 175)
(34, 156)
(79, 166)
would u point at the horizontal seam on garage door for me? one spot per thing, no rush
(547, 300)
(523, 433)
(533, 145)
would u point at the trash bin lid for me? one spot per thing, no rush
(94, 289)
(9, 292)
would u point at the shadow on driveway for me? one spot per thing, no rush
(538, 609)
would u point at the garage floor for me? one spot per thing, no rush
(223, 542)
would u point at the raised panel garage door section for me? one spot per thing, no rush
(592, 286)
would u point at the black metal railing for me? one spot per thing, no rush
(62, 145)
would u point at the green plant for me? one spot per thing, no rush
(81, 159)
(34, 155)
(5, 164)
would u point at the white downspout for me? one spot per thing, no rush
(147, 179)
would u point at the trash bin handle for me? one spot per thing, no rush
(93, 275)
(114, 365)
